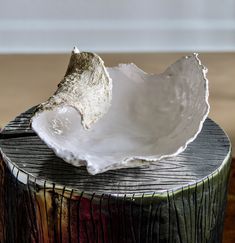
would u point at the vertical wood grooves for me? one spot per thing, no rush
(209, 204)
(195, 214)
(213, 203)
(181, 199)
(2, 201)
(121, 219)
(184, 213)
(132, 216)
(169, 216)
(155, 225)
(159, 223)
(199, 215)
(78, 216)
(124, 218)
(220, 205)
(54, 214)
(13, 183)
(205, 212)
(95, 233)
(149, 220)
(118, 220)
(190, 215)
(140, 218)
(31, 209)
(110, 220)
(186, 220)
(177, 219)
(69, 216)
(60, 214)
(42, 234)
(100, 217)
(45, 204)
(17, 204)
(39, 217)
(153, 222)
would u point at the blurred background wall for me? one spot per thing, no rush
(116, 26)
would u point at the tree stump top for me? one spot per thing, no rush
(31, 161)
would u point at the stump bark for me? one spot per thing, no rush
(180, 199)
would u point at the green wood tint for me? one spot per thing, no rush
(180, 199)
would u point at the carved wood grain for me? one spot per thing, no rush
(181, 199)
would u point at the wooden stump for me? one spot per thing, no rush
(44, 199)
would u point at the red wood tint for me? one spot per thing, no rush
(229, 226)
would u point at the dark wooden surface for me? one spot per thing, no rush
(229, 227)
(203, 157)
(205, 161)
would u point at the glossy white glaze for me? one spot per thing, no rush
(151, 117)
